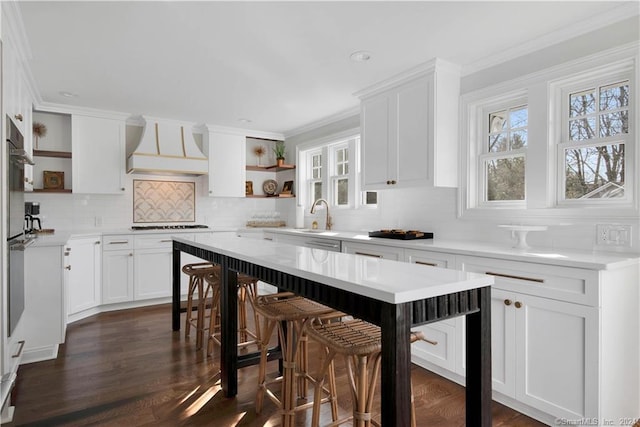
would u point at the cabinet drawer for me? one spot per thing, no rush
(117, 242)
(440, 349)
(157, 241)
(377, 251)
(549, 281)
(428, 258)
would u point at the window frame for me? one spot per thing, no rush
(327, 146)
(581, 84)
(510, 103)
(542, 89)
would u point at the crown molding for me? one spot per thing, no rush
(350, 112)
(50, 107)
(620, 13)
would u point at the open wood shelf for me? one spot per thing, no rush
(272, 168)
(58, 154)
(52, 190)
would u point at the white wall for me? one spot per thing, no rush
(83, 212)
(435, 210)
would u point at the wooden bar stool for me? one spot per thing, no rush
(360, 343)
(291, 314)
(247, 292)
(197, 273)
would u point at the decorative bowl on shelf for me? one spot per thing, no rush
(520, 233)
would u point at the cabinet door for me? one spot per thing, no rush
(503, 354)
(557, 353)
(378, 155)
(84, 273)
(413, 125)
(44, 319)
(227, 161)
(117, 276)
(98, 155)
(376, 251)
(152, 274)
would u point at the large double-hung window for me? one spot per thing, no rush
(595, 135)
(331, 171)
(560, 143)
(502, 162)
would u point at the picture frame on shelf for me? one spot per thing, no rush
(53, 180)
(287, 188)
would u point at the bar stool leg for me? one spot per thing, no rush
(192, 289)
(267, 330)
(326, 366)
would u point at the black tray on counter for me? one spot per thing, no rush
(401, 235)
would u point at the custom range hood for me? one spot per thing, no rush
(167, 147)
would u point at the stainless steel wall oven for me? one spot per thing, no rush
(16, 157)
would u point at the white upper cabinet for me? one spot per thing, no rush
(98, 146)
(227, 158)
(409, 129)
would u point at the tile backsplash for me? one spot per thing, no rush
(163, 201)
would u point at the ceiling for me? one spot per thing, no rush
(282, 65)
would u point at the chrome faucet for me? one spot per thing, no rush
(313, 210)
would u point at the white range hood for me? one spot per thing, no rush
(167, 147)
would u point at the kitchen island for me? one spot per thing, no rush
(393, 295)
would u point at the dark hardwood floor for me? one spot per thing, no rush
(128, 368)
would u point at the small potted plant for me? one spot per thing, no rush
(259, 152)
(279, 152)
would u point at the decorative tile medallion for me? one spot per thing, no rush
(164, 201)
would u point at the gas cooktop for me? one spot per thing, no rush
(168, 227)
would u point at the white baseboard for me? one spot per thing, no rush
(32, 355)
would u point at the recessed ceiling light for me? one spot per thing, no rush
(360, 56)
(68, 94)
(244, 120)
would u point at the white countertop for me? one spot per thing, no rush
(381, 279)
(60, 237)
(563, 257)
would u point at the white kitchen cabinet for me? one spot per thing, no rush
(117, 269)
(98, 146)
(84, 274)
(409, 129)
(44, 317)
(373, 250)
(553, 357)
(226, 153)
(440, 349)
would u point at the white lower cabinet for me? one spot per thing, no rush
(152, 274)
(440, 349)
(117, 269)
(44, 319)
(84, 273)
(549, 357)
(138, 268)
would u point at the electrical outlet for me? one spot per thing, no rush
(613, 235)
(98, 221)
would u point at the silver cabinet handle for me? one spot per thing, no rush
(430, 264)
(166, 241)
(121, 242)
(510, 276)
(319, 244)
(97, 243)
(366, 254)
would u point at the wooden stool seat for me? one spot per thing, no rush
(290, 314)
(197, 273)
(360, 343)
